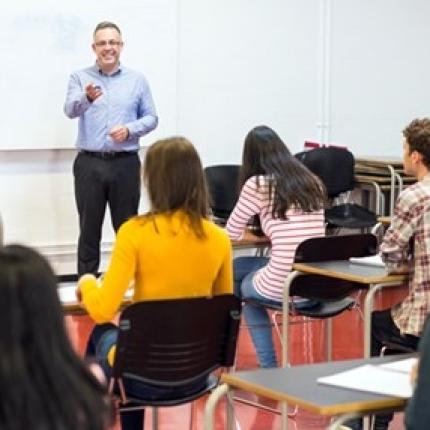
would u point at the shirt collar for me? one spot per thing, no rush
(100, 71)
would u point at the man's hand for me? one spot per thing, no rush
(118, 133)
(93, 92)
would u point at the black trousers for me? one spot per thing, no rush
(100, 182)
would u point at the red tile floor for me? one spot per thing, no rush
(307, 347)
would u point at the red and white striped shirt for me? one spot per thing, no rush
(284, 234)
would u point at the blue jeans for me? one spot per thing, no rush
(256, 317)
(101, 340)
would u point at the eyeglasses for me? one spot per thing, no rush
(103, 43)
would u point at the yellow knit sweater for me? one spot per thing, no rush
(165, 259)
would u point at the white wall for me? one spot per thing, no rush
(243, 63)
(380, 66)
(340, 71)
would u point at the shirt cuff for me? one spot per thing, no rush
(87, 283)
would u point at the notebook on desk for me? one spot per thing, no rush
(391, 379)
(371, 260)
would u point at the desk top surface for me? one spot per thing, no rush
(344, 269)
(380, 160)
(298, 386)
(70, 304)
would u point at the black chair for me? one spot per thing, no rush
(223, 186)
(174, 343)
(331, 296)
(335, 168)
(325, 297)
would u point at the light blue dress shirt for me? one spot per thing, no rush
(126, 100)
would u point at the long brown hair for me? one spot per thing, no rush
(291, 184)
(174, 179)
(44, 384)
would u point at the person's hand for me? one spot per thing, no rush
(83, 278)
(93, 92)
(118, 133)
(414, 374)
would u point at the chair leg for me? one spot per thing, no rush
(328, 338)
(154, 418)
(191, 415)
(230, 411)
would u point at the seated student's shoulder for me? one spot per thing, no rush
(215, 232)
(133, 225)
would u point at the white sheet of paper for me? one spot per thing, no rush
(404, 366)
(371, 260)
(373, 379)
(67, 294)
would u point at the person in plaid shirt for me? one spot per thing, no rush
(406, 248)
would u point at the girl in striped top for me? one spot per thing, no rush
(287, 200)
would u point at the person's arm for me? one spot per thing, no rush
(224, 281)
(248, 205)
(395, 248)
(77, 101)
(417, 414)
(146, 114)
(102, 303)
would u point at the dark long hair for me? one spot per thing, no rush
(291, 185)
(44, 385)
(174, 179)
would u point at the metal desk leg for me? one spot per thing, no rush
(211, 404)
(286, 315)
(368, 307)
(284, 416)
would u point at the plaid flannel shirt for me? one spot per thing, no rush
(407, 241)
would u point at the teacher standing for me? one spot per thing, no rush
(115, 108)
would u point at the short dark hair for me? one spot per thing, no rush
(417, 135)
(106, 24)
(174, 179)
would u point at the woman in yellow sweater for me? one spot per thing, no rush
(173, 251)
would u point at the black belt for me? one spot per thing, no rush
(107, 155)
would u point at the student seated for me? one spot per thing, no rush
(406, 247)
(288, 201)
(171, 252)
(417, 414)
(44, 384)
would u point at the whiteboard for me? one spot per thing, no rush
(45, 41)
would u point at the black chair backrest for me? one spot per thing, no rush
(334, 166)
(329, 248)
(223, 185)
(174, 342)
